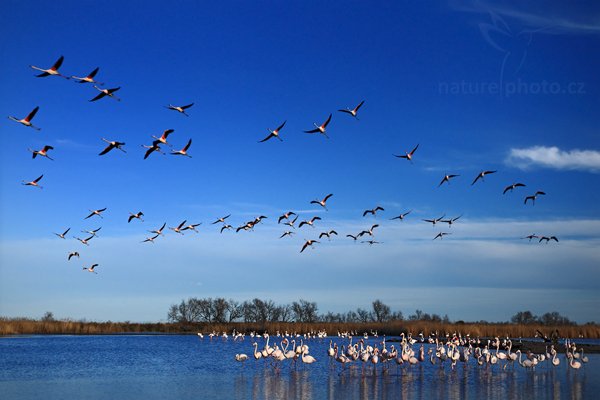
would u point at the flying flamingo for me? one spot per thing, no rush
(408, 156)
(137, 216)
(401, 216)
(91, 269)
(532, 198)
(34, 182)
(222, 219)
(285, 216)
(112, 145)
(370, 242)
(42, 153)
(354, 110)
(73, 254)
(93, 233)
(150, 239)
(352, 237)
(308, 243)
(287, 233)
(163, 138)
(323, 202)
(512, 187)
(27, 120)
(153, 148)
(89, 78)
(310, 222)
(368, 232)
(291, 223)
(322, 128)
(106, 92)
(373, 211)
(192, 227)
(180, 109)
(84, 241)
(481, 176)
(447, 179)
(52, 70)
(96, 212)
(450, 221)
(547, 239)
(533, 236)
(435, 220)
(274, 133)
(226, 226)
(441, 235)
(178, 229)
(62, 235)
(328, 234)
(159, 231)
(183, 152)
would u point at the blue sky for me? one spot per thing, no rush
(477, 85)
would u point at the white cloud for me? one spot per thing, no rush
(553, 157)
(537, 17)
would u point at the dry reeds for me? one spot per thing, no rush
(21, 326)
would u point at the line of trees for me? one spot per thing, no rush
(220, 310)
(550, 318)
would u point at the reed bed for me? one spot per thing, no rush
(24, 326)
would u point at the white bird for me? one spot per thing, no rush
(180, 109)
(150, 239)
(241, 358)
(85, 241)
(308, 243)
(274, 133)
(42, 153)
(33, 182)
(163, 138)
(91, 269)
(112, 144)
(323, 202)
(154, 147)
(307, 359)
(27, 120)
(89, 78)
(401, 216)
(309, 222)
(96, 212)
(321, 128)
(53, 70)
(178, 228)
(135, 216)
(106, 92)
(183, 152)
(62, 235)
(409, 155)
(354, 111)
(159, 231)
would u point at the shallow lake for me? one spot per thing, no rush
(187, 367)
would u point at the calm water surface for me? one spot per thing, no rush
(186, 367)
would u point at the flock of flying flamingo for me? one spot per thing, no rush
(157, 142)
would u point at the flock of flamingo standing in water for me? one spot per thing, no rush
(249, 225)
(451, 350)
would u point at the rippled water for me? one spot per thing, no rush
(186, 367)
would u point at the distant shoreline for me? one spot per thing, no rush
(23, 326)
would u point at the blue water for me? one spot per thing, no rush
(186, 367)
